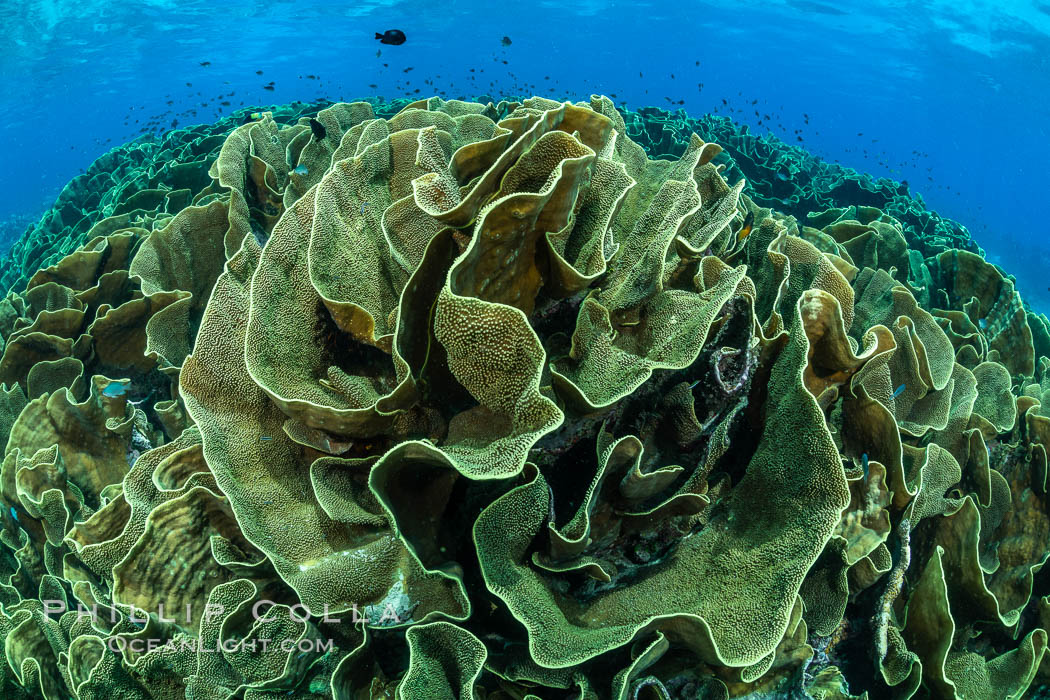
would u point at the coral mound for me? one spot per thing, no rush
(482, 401)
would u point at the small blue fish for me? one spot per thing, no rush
(115, 389)
(898, 391)
(265, 437)
(301, 170)
(983, 324)
(693, 385)
(864, 464)
(14, 513)
(363, 205)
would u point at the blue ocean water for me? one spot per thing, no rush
(953, 97)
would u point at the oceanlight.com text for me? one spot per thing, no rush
(197, 646)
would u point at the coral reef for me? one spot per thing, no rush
(480, 400)
(792, 180)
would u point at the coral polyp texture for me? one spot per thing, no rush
(476, 400)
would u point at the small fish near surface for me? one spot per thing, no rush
(318, 129)
(505, 41)
(393, 37)
(745, 230)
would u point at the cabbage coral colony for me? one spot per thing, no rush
(475, 400)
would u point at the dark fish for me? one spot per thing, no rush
(205, 63)
(258, 72)
(268, 87)
(318, 129)
(505, 41)
(394, 37)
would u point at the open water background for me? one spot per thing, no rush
(953, 97)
